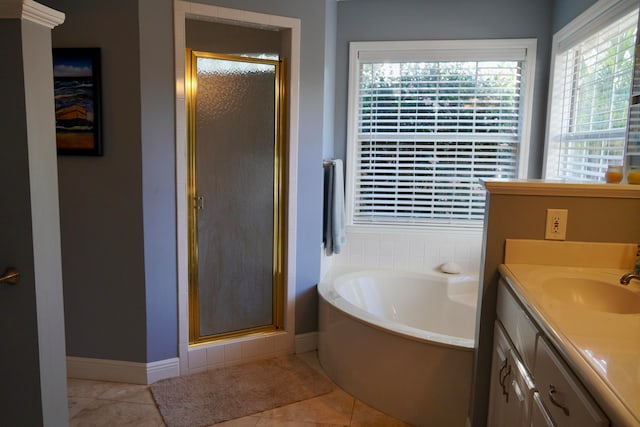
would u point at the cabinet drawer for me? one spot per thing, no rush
(565, 399)
(519, 327)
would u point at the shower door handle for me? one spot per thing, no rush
(198, 202)
(10, 276)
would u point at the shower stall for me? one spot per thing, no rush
(236, 190)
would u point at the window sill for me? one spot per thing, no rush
(425, 229)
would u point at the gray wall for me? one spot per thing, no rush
(232, 39)
(101, 199)
(330, 43)
(565, 10)
(157, 110)
(118, 211)
(370, 20)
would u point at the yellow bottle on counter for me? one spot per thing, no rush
(633, 176)
(613, 175)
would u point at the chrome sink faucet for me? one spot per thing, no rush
(626, 278)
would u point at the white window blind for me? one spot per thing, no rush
(427, 131)
(589, 99)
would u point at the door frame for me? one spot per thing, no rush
(194, 358)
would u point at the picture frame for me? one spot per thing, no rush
(78, 96)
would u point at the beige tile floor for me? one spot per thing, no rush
(97, 404)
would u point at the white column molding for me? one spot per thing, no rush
(32, 11)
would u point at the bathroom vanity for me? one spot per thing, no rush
(566, 340)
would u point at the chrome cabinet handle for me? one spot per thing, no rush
(552, 394)
(10, 276)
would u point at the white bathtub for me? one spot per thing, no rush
(401, 342)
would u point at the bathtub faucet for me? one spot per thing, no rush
(626, 278)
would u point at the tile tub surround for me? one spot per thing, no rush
(98, 403)
(409, 250)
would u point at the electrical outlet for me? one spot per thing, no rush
(556, 228)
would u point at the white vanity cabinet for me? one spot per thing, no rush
(530, 383)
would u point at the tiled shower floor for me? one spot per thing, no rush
(98, 403)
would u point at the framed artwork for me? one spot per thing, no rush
(77, 93)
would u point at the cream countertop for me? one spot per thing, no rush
(602, 348)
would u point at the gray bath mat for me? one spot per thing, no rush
(236, 391)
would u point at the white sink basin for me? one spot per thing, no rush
(591, 294)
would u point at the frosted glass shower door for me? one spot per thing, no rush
(234, 130)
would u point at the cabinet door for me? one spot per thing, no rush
(500, 374)
(519, 328)
(511, 386)
(567, 401)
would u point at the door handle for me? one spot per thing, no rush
(10, 276)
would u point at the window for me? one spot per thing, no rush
(428, 120)
(589, 93)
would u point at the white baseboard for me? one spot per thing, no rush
(163, 369)
(306, 342)
(121, 371)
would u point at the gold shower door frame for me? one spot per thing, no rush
(280, 165)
